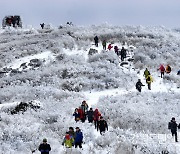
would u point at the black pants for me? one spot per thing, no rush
(139, 89)
(174, 133)
(90, 121)
(162, 74)
(149, 86)
(78, 143)
(96, 44)
(104, 47)
(96, 124)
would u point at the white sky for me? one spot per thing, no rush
(87, 12)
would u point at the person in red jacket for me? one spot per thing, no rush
(110, 47)
(81, 114)
(97, 116)
(162, 70)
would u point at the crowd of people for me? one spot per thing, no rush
(83, 113)
(149, 79)
(122, 52)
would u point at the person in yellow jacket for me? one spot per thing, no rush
(68, 140)
(149, 79)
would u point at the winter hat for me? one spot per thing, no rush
(173, 118)
(44, 140)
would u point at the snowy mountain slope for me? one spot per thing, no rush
(68, 75)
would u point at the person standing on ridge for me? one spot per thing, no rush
(96, 40)
(42, 25)
(44, 147)
(172, 125)
(139, 85)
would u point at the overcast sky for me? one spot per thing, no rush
(87, 12)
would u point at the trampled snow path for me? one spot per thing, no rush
(47, 56)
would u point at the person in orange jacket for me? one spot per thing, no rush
(168, 69)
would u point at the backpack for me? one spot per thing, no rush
(148, 78)
(169, 125)
(169, 68)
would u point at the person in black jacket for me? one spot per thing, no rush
(44, 148)
(90, 115)
(123, 53)
(42, 25)
(139, 85)
(96, 40)
(173, 127)
(102, 125)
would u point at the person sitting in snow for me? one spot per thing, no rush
(104, 44)
(102, 125)
(76, 115)
(172, 125)
(168, 69)
(139, 85)
(68, 140)
(146, 73)
(44, 147)
(78, 138)
(90, 115)
(123, 53)
(96, 40)
(96, 116)
(149, 80)
(162, 70)
(110, 47)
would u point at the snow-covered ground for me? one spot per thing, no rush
(68, 75)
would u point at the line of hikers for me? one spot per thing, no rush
(122, 52)
(76, 138)
(82, 113)
(149, 78)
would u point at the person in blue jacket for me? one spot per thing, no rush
(78, 138)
